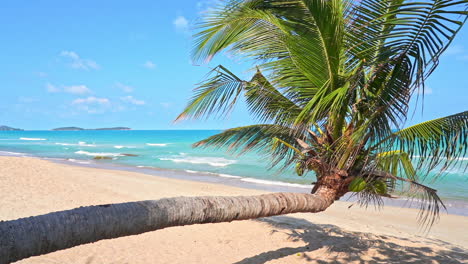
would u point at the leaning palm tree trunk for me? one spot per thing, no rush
(42, 234)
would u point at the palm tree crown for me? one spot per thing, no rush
(332, 88)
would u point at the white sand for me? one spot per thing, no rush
(31, 186)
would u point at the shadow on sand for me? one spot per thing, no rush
(340, 246)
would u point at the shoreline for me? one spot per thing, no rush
(454, 207)
(32, 186)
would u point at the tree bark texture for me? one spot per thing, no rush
(47, 233)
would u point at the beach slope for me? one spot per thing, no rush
(30, 186)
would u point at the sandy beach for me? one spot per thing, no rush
(30, 186)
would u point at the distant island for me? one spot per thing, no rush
(68, 128)
(7, 128)
(79, 128)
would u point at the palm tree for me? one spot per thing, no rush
(332, 89)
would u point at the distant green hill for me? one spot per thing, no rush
(7, 128)
(112, 128)
(68, 128)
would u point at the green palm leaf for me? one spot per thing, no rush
(421, 30)
(216, 95)
(260, 138)
(334, 78)
(431, 143)
(396, 162)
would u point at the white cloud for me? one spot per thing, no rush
(70, 54)
(91, 100)
(41, 74)
(149, 65)
(125, 88)
(92, 105)
(52, 88)
(165, 104)
(77, 62)
(181, 23)
(77, 89)
(458, 51)
(454, 50)
(130, 99)
(205, 6)
(427, 91)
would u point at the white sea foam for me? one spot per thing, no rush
(212, 161)
(252, 180)
(157, 144)
(229, 176)
(25, 138)
(267, 182)
(60, 159)
(213, 173)
(81, 144)
(121, 147)
(79, 161)
(10, 153)
(192, 171)
(64, 144)
(82, 152)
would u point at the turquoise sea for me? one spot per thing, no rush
(171, 151)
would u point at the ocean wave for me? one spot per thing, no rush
(10, 153)
(157, 144)
(229, 176)
(213, 173)
(25, 138)
(251, 180)
(267, 182)
(65, 144)
(94, 154)
(47, 158)
(121, 147)
(212, 161)
(81, 144)
(79, 161)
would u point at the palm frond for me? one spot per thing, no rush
(441, 141)
(262, 139)
(347, 69)
(242, 28)
(267, 103)
(421, 30)
(397, 163)
(216, 95)
(426, 197)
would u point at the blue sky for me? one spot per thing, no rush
(126, 63)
